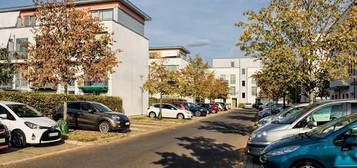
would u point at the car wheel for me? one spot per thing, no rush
(180, 116)
(307, 164)
(152, 115)
(197, 113)
(104, 126)
(18, 139)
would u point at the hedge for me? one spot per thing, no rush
(153, 100)
(47, 102)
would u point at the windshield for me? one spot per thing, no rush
(332, 126)
(290, 118)
(24, 111)
(101, 108)
(289, 111)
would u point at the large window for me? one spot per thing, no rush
(223, 76)
(243, 71)
(254, 91)
(21, 48)
(233, 79)
(232, 90)
(103, 14)
(29, 20)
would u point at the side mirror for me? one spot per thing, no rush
(3, 116)
(350, 141)
(312, 124)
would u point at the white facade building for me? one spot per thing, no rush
(238, 74)
(344, 89)
(121, 17)
(173, 58)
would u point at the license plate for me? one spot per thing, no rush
(127, 123)
(2, 140)
(53, 134)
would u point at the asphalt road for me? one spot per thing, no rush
(210, 143)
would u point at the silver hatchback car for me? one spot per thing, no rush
(307, 119)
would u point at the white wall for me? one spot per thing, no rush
(128, 78)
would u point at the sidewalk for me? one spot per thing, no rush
(140, 126)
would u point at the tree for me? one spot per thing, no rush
(191, 78)
(6, 68)
(218, 89)
(161, 81)
(300, 30)
(69, 45)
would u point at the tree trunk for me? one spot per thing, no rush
(65, 109)
(312, 97)
(160, 110)
(284, 100)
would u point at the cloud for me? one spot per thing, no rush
(198, 43)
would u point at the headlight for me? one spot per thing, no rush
(32, 125)
(116, 117)
(283, 150)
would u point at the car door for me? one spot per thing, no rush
(10, 121)
(172, 111)
(73, 110)
(166, 111)
(88, 115)
(345, 155)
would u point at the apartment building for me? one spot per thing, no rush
(121, 17)
(344, 89)
(172, 57)
(238, 74)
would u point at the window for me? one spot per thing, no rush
(29, 20)
(353, 108)
(3, 110)
(166, 106)
(233, 79)
(243, 83)
(21, 44)
(223, 76)
(243, 95)
(254, 82)
(74, 106)
(232, 90)
(327, 113)
(104, 14)
(232, 64)
(243, 71)
(254, 91)
(86, 107)
(171, 67)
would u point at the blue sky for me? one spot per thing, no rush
(203, 26)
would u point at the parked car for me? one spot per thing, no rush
(281, 115)
(4, 136)
(180, 105)
(328, 146)
(93, 116)
(197, 110)
(168, 111)
(27, 125)
(222, 106)
(248, 105)
(214, 108)
(304, 121)
(275, 109)
(265, 105)
(207, 106)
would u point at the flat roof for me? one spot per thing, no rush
(129, 4)
(170, 48)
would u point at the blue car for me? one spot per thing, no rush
(329, 146)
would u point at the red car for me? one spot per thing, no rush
(214, 108)
(180, 105)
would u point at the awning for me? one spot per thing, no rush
(4, 38)
(91, 89)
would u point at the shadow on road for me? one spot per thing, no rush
(227, 128)
(242, 117)
(205, 153)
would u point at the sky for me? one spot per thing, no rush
(205, 27)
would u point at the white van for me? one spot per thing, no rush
(27, 125)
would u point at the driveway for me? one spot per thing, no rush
(210, 143)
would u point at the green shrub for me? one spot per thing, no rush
(241, 105)
(153, 100)
(47, 103)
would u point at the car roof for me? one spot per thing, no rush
(9, 102)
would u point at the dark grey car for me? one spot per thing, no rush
(93, 115)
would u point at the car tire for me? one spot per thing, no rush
(18, 139)
(307, 164)
(104, 127)
(152, 115)
(180, 116)
(197, 113)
